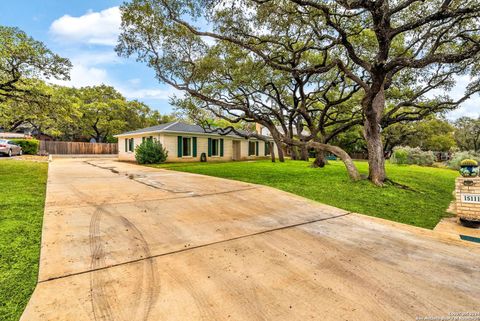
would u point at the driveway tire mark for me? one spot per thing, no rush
(148, 284)
(103, 286)
(103, 294)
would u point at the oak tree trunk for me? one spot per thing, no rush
(304, 153)
(320, 159)
(272, 151)
(372, 131)
(278, 143)
(281, 157)
(340, 153)
(294, 153)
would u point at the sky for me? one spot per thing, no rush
(85, 31)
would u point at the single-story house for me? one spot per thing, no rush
(186, 143)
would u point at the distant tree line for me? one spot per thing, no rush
(434, 133)
(77, 114)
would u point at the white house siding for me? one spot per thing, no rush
(130, 156)
(170, 142)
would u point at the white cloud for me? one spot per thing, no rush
(81, 76)
(470, 107)
(98, 28)
(135, 81)
(93, 58)
(146, 93)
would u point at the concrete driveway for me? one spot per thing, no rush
(125, 242)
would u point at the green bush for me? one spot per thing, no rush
(150, 151)
(412, 156)
(29, 146)
(399, 156)
(458, 157)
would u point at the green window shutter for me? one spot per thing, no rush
(256, 149)
(179, 146)
(132, 145)
(265, 148)
(221, 147)
(194, 143)
(209, 147)
(126, 145)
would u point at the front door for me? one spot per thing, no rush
(236, 150)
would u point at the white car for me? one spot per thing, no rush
(9, 148)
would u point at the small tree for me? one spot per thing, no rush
(150, 151)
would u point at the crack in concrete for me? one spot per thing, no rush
(139, 179)
(157, 199)
(196, 247)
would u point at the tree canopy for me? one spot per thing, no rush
(288, 62)
(23, 58)
(467, 133)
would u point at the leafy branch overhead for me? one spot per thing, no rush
(309, 70)
(21, 59)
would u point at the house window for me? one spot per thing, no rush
(267, 148)
(147, 138)
(187, 146)
(131, 145)
(215, 147)
(251, 148)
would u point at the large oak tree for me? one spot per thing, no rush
(378, 46)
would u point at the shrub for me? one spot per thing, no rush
(150, 151)
(458, 157)
(29, 146)
(399, 156)
(408, 155)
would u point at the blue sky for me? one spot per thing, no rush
(85, 31)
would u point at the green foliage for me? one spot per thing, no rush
(433, 134)
(29, 146)
(412, 156)
(150, 151)
(467, 133)
(424, 206)
(468, 162)
(21, 211)
(399, 156)
(21, 58)
(458, 157)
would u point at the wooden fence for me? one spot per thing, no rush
(76, 148)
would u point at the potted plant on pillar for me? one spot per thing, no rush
(469, 168)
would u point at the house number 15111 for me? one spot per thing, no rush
(471, 198)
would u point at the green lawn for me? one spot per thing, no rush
(22, 197)
(422, 206)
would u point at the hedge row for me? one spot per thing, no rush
(29, 146)
(407, 155)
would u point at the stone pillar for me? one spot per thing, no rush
(467, 194)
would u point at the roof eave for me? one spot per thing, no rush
(140, 133)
